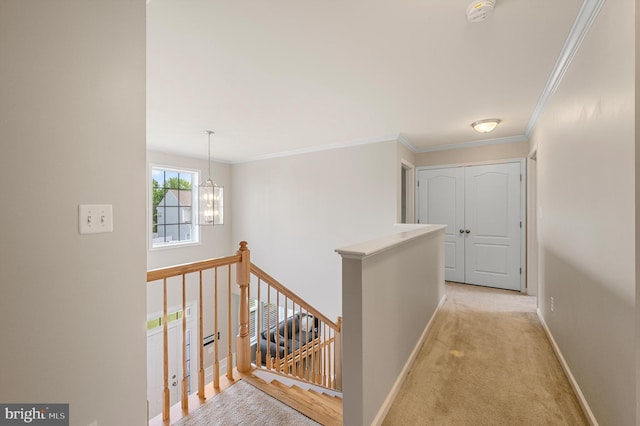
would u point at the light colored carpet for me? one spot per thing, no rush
(486, 361)
(243, 404)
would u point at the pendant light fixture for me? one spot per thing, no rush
(206, 192)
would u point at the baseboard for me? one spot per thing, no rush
(388, 402)
(208, 372)
(572, 380)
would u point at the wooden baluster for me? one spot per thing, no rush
(200, 342)
(268, 355)
(330, 350)
(277, 332)
(166, 397)
(229, 352)
(243, 341)
(216, 333)
(309, 355)
(286, 336)
(258, 325)
(305, 326)
(313, 350)
(294, 330)
(325, 352)
(338, 355)
(185, 375)
(300, 369)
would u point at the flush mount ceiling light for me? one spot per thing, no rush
(485, 126)
(478, 11)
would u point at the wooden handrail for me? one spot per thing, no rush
(288, 293)
(187, 268)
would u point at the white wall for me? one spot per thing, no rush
(295, 211)
(72, 131)
(586, 211)
(637, 206)
(502, 151)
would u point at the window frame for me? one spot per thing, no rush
(195, 229)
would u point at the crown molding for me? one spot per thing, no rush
(406, 142)
(472, 144)
(319, 148)
(586, 15)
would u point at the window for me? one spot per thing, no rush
(173, 203)
(270, 314)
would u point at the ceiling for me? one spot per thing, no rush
(281, 76)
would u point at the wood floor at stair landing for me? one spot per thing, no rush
(324, 409)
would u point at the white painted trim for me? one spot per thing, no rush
(406, 142)
(523, 205)
(586, 15)
(312, 149)
(474, 163)
(407, 163)
(572, 380)
(410, 188)
(395, 389)
(374, 247)
(472, 144)
(208, 375)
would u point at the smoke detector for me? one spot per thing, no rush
(478, 11)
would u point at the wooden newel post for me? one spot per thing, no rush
(243, 341)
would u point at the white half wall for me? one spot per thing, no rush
(294, 211)
(585, 165)
(391, 289)
(72, 131)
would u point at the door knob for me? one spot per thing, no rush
(462, 231)
(468, 231)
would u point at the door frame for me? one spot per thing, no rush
(523, 203)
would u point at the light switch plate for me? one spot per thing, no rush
(95, 218)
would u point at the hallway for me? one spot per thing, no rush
(486, 361)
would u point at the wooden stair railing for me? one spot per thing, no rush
(309, 347)
(317, 359)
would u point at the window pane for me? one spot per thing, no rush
(252, 324)
(185, 215)
(185, 232)
(158, 178)
(171, 215)
(171, 233)
(185, 181)
(184, 197)
(171, 179)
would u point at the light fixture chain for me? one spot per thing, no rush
(209, 133)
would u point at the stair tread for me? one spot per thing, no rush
(336, 403)
(310, 403)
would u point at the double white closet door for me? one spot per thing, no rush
(482, 208)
